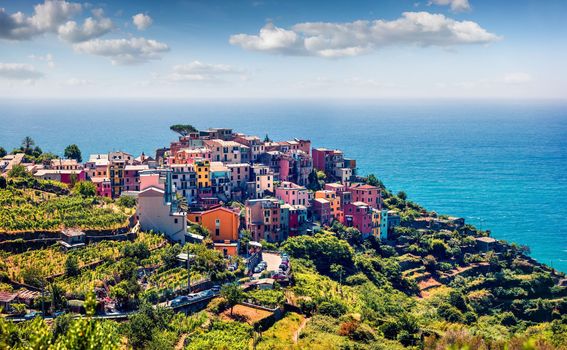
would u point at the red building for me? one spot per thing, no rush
(367, 194)
(263, 219)
(359, 215)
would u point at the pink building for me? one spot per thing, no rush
(103, 186)
(263, 219)
(321, 209)
(132, 177)
(188, 155)
(65, 176)
(367, 194)
(293, 194)
(327, 160)
(359, 215)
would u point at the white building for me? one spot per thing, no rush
(157, 214)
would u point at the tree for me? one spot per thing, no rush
(73, 152)
(18, 171)
(72, 266)
(58, 300)
(313, 182)
(85, 189)
(2, 152)
(2, 182)
(126, 201)
(183, 129)
(233, 295)
(27, 144)
(402, 195)
(267, 138)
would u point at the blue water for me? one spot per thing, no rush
(501, 165)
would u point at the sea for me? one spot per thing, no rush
(502, 165)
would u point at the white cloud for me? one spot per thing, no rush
(53, 16)
(199, 71)
(142, 21)
(456, 5)
(19, 71)
(75, 82)
(47, 17)
(124, 51)
(330, 40)
(91, 28)
(47, 59)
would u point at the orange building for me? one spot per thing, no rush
(223, 225)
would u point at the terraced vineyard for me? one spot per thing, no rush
(30, 210)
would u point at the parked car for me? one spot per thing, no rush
(216, 288)
(258, 269)
(58, 313)
(285, 262)
(279, 277)
(32, 315)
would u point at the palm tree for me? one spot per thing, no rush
(27, 143)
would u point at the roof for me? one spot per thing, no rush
(72, 232)
(321, 200)
(364, 186)
(64, 162)
(216, 209)
(28, 294)
(224, 143)
(360, 204)
(151, 189)
(99, 179)
(218, 166)
(6, 297)
(136, 167)
(43, 172)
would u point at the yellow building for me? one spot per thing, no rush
(334, 200)
(203, 170)
(115, 173)
(376, 220)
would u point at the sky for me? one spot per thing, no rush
(442, 49)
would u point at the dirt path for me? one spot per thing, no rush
(181, 343)
(298, 331)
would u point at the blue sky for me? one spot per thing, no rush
(284, 49)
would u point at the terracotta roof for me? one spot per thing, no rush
(6, 297)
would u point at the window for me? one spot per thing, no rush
(217, 231)
(175, 220)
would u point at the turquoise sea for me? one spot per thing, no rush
(500, 164)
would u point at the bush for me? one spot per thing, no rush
(126, 201)
(85, 189)
(332, 308)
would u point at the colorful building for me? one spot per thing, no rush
(203, 170)
(365, 193)
(334, 201)
(359, 215)
(262, 218)
(157, 211)
(132, 177)
(321, 209)
(221, 184)
(223, 224)
(229, 152)
(293, 194)
(262, 179)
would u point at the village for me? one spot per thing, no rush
(213, 222)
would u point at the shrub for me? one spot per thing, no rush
(333, 308)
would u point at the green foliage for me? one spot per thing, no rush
(72, 266)
(268, 298)
(2, 152)
(323, 249)
(233, 295)
(19, 171)
(85, 189)
(126, 202)
(25, 211)
(183, 129)
(139, 325)
(3, 182)
(222, 335)
(73, 152)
